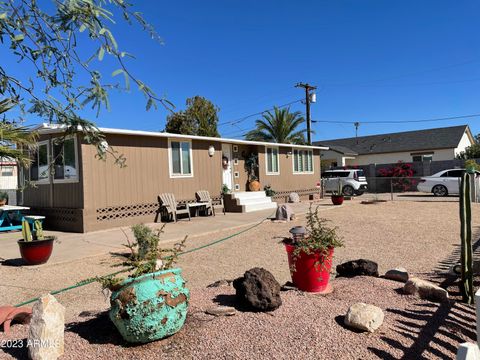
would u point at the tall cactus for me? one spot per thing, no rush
(27, 234)
(466, 240)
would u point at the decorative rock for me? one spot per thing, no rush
(293, 198)
(357, 267)
(46, 332)
(425, 290)
(397, 274)
(288, 286)
(258, 290)
(364, 317)
(220, 283)
(221, 311)
(284, 213)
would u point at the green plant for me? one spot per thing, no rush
(339, 190)
(225, 189)
(279, 126)
(471, 165)
(466, 254)
(37, 225)
(145, 256)
(3, 195)
(319, 238)
(269, 191)
(251, 166)
(26, 232)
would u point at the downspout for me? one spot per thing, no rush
(50, 178)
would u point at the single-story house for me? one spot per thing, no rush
(8, 174)
(420, 145)
(82, 193)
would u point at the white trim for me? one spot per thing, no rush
(235, 148)
(303, 172)
(266, 160)
(45, 181)
(56, 128)
(76, 179)
(170, 165)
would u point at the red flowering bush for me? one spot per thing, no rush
(401, 174)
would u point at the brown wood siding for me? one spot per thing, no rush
(287, 180)
(108, 187)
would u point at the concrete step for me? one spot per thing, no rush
(259, 206)
(265, 200)
(249, 194)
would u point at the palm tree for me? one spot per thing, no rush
(15, 140)
(280, 127)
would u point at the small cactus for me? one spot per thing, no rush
(27, 234)
(37, 225)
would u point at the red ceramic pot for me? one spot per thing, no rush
(337, 199)
(312, 271)
(36, 252)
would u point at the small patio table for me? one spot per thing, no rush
(196, 206)
(7, 215)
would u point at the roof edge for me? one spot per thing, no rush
(56, 128)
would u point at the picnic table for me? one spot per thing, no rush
(9, 215)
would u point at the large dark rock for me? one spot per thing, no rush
(357, 268)
(258, 290)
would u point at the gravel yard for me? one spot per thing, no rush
(420, 236)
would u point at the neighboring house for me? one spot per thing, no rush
(8, 174)
(83, 193)
(420, 145)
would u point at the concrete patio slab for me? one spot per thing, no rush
(74, 246)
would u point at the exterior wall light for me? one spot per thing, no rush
(211, 150)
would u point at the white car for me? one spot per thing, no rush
(442, 183)
(353, 181)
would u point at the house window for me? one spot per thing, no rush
(302, 161)
(422, 157)
(180, 158)
(39, 167)
(7, 170)
(272, 161)
(65, 159)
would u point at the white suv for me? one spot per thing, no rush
(353, 181)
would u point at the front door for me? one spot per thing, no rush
(227, 166)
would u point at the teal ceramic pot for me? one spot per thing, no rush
(150, 307)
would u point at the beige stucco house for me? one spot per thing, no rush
(409, 146)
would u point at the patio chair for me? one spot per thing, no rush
(203, 196)
(171, 207)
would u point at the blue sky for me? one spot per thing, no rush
(371, 60)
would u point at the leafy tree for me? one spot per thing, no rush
(15, 139)
(472, 151)
(199, 118)
(281, 126)
(44, 38)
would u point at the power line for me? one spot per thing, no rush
(397, 121)
(239, 120)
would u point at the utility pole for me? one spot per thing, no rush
(356, 124)
(308, 99)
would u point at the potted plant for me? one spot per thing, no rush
(152, 302)
(310, 253)
(35, 247)
(337, 195)
(3, 198)
(251, 165)
(269, 191)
